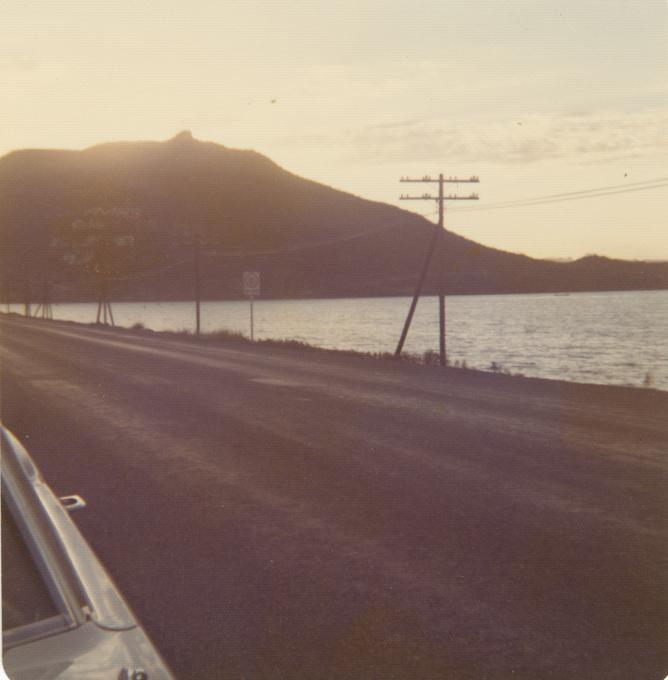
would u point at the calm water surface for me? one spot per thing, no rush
(608, 338)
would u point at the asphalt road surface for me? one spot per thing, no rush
(284, 513)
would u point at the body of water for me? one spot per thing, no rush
(610, 338)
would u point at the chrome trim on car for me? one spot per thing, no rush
(72, 502)
(20, 494)
(34, 631)
(96, 634)
(105, 606)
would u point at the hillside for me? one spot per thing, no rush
(133, 211)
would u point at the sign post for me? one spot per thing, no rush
(251, 282)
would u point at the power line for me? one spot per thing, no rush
(315, 244)
(645, 185)
(572, 195)
(146, 274)
(7, 249)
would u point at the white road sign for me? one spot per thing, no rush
(251, 283)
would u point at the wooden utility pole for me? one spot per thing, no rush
(44, 308)
(104, 264)
(26, 290)
(193, 242)
(5, 282)
(196, 253)
(437, 240)
(103, 303)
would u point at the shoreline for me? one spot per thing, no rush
(379, 296)
(428, 360)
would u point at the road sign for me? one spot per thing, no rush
(251, 282)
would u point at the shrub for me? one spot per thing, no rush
(430, 357)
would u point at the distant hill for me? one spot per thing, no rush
(133, 209)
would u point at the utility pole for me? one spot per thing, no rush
(45, 306)
(5, 282)
(196, 246)
(102, 267)
(437, 240)
(26, 290)
(192, 240)
(103, 304)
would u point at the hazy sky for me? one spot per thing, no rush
(536, 97)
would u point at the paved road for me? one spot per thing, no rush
(275, 513)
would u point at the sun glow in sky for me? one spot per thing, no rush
(535, 97)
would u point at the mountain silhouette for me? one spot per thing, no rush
(132, 211)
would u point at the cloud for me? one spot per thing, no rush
(398, 124)
(541, 137)
(583, 137)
